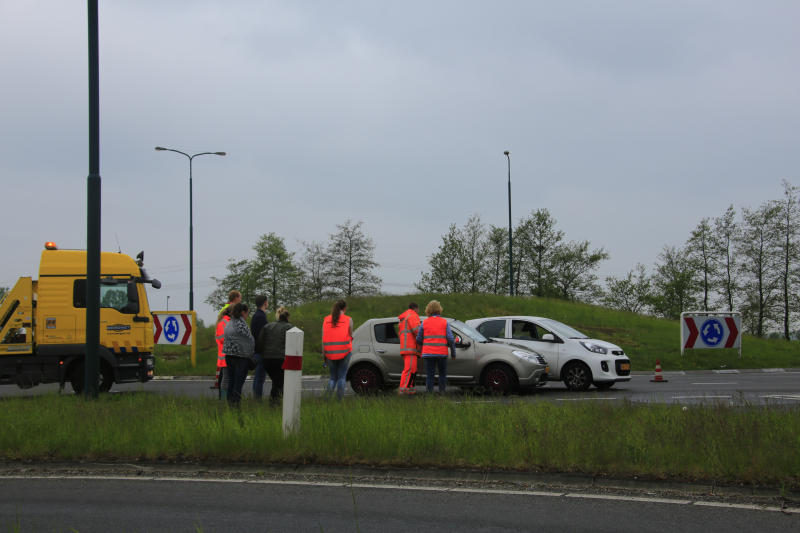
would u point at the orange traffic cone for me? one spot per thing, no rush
(216, 379)
(659, 378)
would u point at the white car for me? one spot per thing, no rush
(574, 358)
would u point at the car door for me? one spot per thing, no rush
(529, 334)
(386, 343)
(462, 368)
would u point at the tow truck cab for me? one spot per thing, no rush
(43, 322)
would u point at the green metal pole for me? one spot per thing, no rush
(92, 360)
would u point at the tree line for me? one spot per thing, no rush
(747, 262)
(340, 267)
(475, 259)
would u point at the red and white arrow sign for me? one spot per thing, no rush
(172, 328)
(709, 332)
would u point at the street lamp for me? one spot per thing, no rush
(510, 247)
(168, 303)
(191, 228)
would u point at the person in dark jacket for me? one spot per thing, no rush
(271, 345)
(238, 348)
(258, 321)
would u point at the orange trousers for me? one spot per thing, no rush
(409, 375)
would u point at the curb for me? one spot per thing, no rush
(421, 474)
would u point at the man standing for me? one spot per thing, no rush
(258, 321)
(409, 350)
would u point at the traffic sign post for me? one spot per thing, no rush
(710, 330)
(178, 328)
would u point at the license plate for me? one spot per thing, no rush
(625, 366)
(547, 370)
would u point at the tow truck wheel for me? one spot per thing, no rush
(78, 377)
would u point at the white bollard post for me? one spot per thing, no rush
(292, 380)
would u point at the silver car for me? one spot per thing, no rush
(480, 362)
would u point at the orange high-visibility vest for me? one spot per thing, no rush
(409, 325)
(336, 340)
(434, 336)
(220, 337)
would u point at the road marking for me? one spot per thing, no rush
(628, 498)
(720, 383)
(738, 506)
(783, 396)
(689, 397)
(582, 399)
(410, 487)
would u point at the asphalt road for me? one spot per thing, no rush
(778, 387)
(142, 505)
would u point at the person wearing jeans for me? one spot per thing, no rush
(271, 349)
(238, 348)
(257, 323)
(436, 338)
(337, 346)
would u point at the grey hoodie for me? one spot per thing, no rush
(238, 339)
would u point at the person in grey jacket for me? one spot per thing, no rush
(271, 344)
(238, 349)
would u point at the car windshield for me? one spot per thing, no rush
(468, 331)
(563, 329)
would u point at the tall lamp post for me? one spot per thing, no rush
(191, 227)
(510, 247)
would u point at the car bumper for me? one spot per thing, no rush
(613, 372)
(533, 378)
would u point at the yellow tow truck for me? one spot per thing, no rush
(43, 322)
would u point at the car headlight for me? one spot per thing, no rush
(592, 347)
(529, 357)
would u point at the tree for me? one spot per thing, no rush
(674, 283)
(759, 246)
(314, 266)
(574, 267)
(631, 293)
(351, 256)
(537, 243)
(3, 291)
(789, 250)
(446, 266)
(473, 252)
(724, 240)
(700, 251)
(273, 271)
(496, 251)
(238, 278)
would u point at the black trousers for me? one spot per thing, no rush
(275, 372)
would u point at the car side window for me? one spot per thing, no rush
(493, 328)
(524, 331)
(386, 333)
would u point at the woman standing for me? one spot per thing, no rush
(435, 336)
(271, 345)
(337, 345)
(222, 321)
(238, 350)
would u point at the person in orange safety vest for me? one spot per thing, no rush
(409, 350)
(337, 346)
(222, 321)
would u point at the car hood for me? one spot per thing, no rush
(515, 346)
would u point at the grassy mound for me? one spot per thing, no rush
(643, 338)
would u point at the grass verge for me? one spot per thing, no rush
(644, 338)
(741, 443)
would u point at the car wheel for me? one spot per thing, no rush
(577, 377)
(499, 379)
(603, 385)
(366, 379)
(78, 377)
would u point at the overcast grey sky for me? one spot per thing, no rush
(628, 120)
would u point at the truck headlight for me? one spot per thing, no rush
(592, 347)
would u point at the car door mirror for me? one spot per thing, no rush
(464, 344)
(133, 293)
(548, 337)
